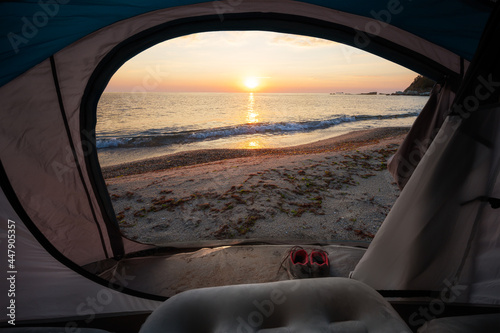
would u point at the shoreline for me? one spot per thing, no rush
(347, 141)
(336, 189)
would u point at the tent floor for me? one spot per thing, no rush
(169, 274)
(173, 271)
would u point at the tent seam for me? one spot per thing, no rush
(73, 151)
(10, 193)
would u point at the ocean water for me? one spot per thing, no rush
(135, 126)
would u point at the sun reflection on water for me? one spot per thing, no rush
(251, 118)
(251, 113)
(252, 144)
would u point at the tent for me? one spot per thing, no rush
(70, 267)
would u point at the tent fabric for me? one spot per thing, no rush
(34, 30)
(443, 232)
(422, 133)
(46, 140)
(41, 279)
(436, 235)
(44, 173)
(58, 193)
(485, 276)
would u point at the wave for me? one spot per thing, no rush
(156, 138)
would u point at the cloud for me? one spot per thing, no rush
(301, 41)
(235, 37)
(189, 38)
(210, 38)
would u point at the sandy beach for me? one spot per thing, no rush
(330, 190)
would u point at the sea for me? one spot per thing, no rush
(136, 126)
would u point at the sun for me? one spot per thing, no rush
(251, 82)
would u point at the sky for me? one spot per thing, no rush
(256, 61)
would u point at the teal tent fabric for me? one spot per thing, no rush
(32, 31)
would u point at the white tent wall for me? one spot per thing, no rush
(431, 240)
(46, 289)
(37, 158)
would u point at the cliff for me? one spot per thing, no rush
(420, 84)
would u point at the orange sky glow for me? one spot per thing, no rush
(224, 61)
